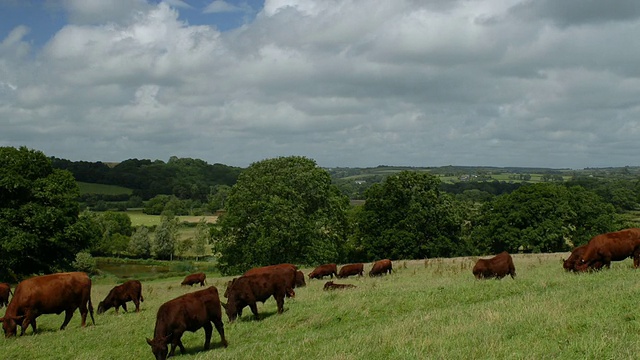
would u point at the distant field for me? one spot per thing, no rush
(91, 188)
(139, 218)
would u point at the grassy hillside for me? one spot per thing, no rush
(426, 310)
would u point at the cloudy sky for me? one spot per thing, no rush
(345, 82)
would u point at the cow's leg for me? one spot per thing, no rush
(280, 303)
(636, 258)
(124, 306)
(208, 329)
(29, 319)
(220, 327)
(175, 342)
(83, 313)
(136, 302)
(182, 349)
(67, 317)
(254, 310)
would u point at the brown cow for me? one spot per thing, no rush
(497, 267)
(614, 246)
(5, 291)
(573, 261)
(48, 294)
(194, 279)
(381, 267)
(188, 312)
(324, 270)
(330, 285)
(119, 295)
(290, 269)
(351, 269)
(248, 290)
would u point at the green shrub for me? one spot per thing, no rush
(85, 262)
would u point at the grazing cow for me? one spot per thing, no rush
(497, 267)
(48, 294)
(324, 270)
(194, 279)
(188, 312)
(381, 267)
(5, 291)
(248, 290)
(351, 269)
(330, 285)
(573, 261)
(614, 246)
(290, 271)
(300, 279)
(119, 295)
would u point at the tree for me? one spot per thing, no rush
(201, 238)
(166, 234)
(40, 231)
(408, 217)
(544, 217)
(140, 243)
(116, 229)
(282, 210)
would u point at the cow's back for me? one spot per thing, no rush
(617, 245)
(51, 293)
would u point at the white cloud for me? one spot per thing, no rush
(405, 82)
(221, 6)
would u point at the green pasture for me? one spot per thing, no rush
(138, 218)
(431, 309)
(91, 188)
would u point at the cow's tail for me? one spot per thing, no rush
(91, 311)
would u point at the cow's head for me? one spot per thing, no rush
(104, 306)
(230, 309)
(159, 347)
(10, 324)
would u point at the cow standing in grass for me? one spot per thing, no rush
(120, 295)
(48, 294)
(324, 270)
(615, 246)
(188, 312)
(351, 269)
(381, 267)
(497, 267)
(197, 278)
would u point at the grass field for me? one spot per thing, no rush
(425, 310)
(139, 218)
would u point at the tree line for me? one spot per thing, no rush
(288, 209)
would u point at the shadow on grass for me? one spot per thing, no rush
(261, 316)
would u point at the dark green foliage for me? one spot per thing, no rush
(164, 244)
(140, 243)
(115, 229)
(39, 229)
(282, 210)
(184, 178)
(543, 218)
(408, 217)
(85, 262)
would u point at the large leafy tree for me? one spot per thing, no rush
(40, 230)
(282, 210)
(543, 218)
(408, 217)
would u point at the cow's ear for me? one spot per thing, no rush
(223, 305)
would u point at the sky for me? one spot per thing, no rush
(347, 83)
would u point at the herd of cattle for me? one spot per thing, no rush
(66, 292)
